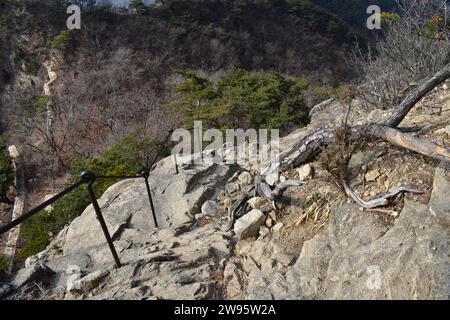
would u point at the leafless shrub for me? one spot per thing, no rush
(404, 53)
(336, 157)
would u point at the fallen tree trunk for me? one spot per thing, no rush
(315, 143)
(302, 152)
(409, 141)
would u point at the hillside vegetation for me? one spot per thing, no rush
(353, 12)
(124, 79)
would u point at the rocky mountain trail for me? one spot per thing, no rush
(408, 255)
(181, 245)
(314, 243)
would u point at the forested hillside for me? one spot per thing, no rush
(104, 97)
(353, 11)
(85, 98)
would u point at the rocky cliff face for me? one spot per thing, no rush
(315, 245)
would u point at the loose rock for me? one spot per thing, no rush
(271, 179)
(277, 228)
(210, 208)
(305, 171)
(257, 202)
(232, 188)
(92, 280)
(248, 225)
(269, 222)
(263, 231)
(372, 175)
(245, 178)
(273, 215)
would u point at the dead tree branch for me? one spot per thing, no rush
(379, 201)
(314, 143)
(408, 141)
(415, 96)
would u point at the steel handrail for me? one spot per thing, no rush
(40, 207)
(89, 178)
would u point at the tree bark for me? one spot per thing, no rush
(410, 101)
(408, 141)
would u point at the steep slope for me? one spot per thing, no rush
(315, 246)
(116, 74)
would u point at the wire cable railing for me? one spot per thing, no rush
(89, 178)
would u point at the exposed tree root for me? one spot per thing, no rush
(314, 143)
(261, 189)
(379, 201)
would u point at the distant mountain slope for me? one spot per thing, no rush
(290, 36)
(138, 53)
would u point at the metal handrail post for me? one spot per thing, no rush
(174, 154)
(145, 175)
(164, 144)
(89, 178)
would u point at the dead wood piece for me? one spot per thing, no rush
(262, 189)
(409, 141)
(416, 95)
(278, 191)
(313, 144)
(281, 187)
(238, 204)
(303, 151)
(379, 201)
(411, 129)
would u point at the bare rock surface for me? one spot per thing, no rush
(248, 225)
(358, 257)
(183, 262)
(352, 254)
(125, 205)
(38, 271)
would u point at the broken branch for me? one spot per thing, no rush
(415, 96)
(379, 201)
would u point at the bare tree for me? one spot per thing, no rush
(404, 53)
(96, 102)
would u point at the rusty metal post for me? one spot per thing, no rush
(174, 154)
(176, 164)
(145, 175)
(89, 178)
